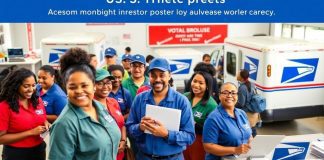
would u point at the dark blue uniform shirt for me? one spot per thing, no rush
(224, 130)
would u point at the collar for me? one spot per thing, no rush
(81, 114)
(221, 109)
(146, 81)
(49, 91)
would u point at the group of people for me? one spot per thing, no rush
(91, 113)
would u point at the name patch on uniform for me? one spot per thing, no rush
(119, 113)
(120, 100)
(198, 114)
(39, 112)
(45, 103)
(108, 118)
(246, 126)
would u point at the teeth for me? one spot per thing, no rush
(81, 97)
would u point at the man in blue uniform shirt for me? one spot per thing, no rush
(162, 143)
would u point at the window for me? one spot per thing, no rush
(231, 63)
(303, 32)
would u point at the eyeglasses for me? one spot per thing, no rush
(137, 66)
(227, 93)
(101, 84)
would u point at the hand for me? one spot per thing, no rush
(47, 125)
(242, 149)
(121, 146)
(143, 127)
(156, 128)
(37, 130)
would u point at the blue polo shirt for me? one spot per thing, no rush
(224, 130)
(177, 140)
(54, 99)
(125, 102)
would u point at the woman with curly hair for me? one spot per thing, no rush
(22, 117)
(84, 129)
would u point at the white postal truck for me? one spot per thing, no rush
(288, 73)
(55, 46)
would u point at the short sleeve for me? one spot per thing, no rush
(63, 141)
(4, 116)
(210, 131)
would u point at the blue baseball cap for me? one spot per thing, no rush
(138, 58)
(160, 64)
(110, 52)
(102, 74)
(126, 56)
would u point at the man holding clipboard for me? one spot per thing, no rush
(153, 139)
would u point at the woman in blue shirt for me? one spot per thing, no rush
(227, 130)
(53, 96)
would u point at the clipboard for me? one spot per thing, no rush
(169, 117)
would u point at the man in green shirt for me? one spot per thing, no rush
(137, 79)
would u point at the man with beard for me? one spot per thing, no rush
(162, 143)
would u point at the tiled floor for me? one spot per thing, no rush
(295, 127)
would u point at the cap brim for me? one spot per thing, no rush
(104, 77)
(159, 68)
(134, 61)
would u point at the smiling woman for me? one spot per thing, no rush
(53, 12)
(84, 130)
(22, 117)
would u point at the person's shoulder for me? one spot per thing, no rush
(186, 94)
(4, 105)
(240, 111)
(67, 115)
(126, 91)
(112, 100)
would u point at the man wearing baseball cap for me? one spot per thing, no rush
(162, 143)
(111, 58)
(126, 61)
(137, 78)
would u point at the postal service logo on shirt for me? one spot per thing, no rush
(198, 114)
(39, 111)
(45, 103)
(246, 126)
(120, 100)
(108, 118)
(119, 113)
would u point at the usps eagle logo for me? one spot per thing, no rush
(252, 64)
(55, 54)
(180, 66)
(291, 151)
(299, 70)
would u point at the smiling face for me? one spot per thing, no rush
(80, 89)
(27, 88)
(103, 88)
(159, 80)
(198, 85)
(137, 70)
(45, 79)
(228, 95)
(118, 78)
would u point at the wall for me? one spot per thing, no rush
(118, 35)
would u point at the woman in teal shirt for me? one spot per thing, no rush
(202, 102)
(84, 129)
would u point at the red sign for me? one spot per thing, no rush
(186, 34)
(29, 36)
